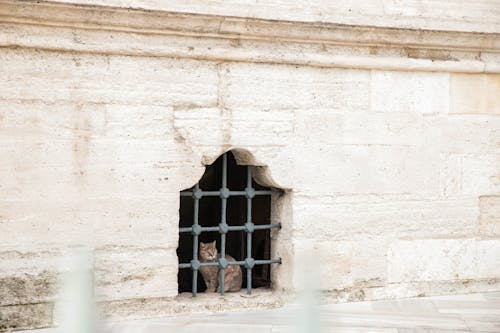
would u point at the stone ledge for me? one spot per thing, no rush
(107, 30)
(185, 303)
(164, 22)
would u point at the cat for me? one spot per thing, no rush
(211, 274)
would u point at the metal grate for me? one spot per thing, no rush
(223, 228)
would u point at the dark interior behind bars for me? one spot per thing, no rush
(210, 215)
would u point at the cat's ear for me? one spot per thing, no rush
(202, 244)
(214, 242)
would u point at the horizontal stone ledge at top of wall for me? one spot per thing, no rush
(326, 61)
(162, 22)
(242, 46)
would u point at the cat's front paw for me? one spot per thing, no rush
(210, 290)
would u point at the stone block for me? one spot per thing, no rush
(90, 78)
(334, 265)
(422, 93)
(356, 169)
(475, 94)
(123, 272)
(28, 287)
(470, 174)
(357, 217)
(489, 218)
(487, 259)
(26, 316)
(98, 221)
(357, 128)
(443, 259)
(261, 127)
(481, 174)
(199, 126)
(450, 175)
(268, 87)
(461, 133)
(99, 168)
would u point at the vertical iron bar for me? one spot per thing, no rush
(223, 222)
(195, 242)
(249, 234)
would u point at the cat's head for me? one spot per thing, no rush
(208, 251)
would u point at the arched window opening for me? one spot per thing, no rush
(229, 207)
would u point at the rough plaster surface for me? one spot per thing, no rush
(392, 178)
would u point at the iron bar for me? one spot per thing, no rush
(267, 226)
(249, 234)
(233, 263)
(223, 228)
(233, 228)
(231, 193)
(270, 261)
(223, 222)
(209, 229)
(195, 241)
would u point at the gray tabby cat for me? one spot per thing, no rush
(232, 277)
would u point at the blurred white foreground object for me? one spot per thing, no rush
(75, 309)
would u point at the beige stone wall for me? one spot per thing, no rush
(454, 15)
(392, 177)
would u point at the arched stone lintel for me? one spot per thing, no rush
(260, 171)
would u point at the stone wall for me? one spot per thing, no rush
(390, 162)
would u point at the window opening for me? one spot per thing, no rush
(226, 205)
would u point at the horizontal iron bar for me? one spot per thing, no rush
(266, 226)
(189, 229)
(188, 265)
(217, 193)
(234, 227)
(265, 262)
(234, 263)
(263, 192)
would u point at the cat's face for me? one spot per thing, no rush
(208, 251)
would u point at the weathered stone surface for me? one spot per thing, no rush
(25, 316)
(424, 93)
(331, 265)
(389, 176)
(268, 87)
(86, 78)
(130, 222)
(489, 218)
(355, 127)
(124, 272)
(443, 259)
(461, 134)
(436, 16)
(27, 288)
(356, 217)
(185, 303)
(481, 174)
(357, 169)
(474, 94)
